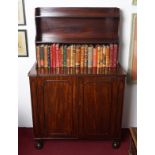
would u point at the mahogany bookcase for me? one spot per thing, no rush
(77, 103)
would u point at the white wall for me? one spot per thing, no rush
(24, 64)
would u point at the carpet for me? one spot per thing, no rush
(69, 147)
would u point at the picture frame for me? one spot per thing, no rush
(22, 43)
(134, 2)
(21, 13)
(132, 70)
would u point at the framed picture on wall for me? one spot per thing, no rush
(134, 2)
(132, 71)
(22, 43)
(21, 13)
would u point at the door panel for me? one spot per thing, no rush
(95, 106)
(58, 107)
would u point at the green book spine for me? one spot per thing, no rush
(65, 56)
(49, 60)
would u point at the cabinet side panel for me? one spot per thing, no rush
(33, 88)
(117, 107)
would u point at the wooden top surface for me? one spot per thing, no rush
(41, 72)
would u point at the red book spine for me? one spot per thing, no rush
(94, 57)
(54, 56)
(57, 55)
(115, 55)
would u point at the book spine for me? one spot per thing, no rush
(42, 56)
(51, 56)
(82, 56)
(101, 56)
(94, 57)
(111, 55)
(77, 64)
(54, 56)
(48, 56)
(71, 55)
(90, 56)
(45, 56)
(107, 56)
(68, 56)
(74, 55)
(104, 56)
(65, 56)
(86, 56)
(98, 56)
(57, 55)
(61, 56)
(115, 55)
(38, 56)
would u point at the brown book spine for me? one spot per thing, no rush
(104, 56)
(98, 56)
(101, 56)
(77, 63)
(115, 55)
(71, 55)
(82, 56)
(61, 56)
(74, 55)
(107, 56)
(86, 56)
(111, 55)
(38, 56)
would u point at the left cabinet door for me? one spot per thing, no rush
(55, 106)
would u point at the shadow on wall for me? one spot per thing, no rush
(130, 89)
(121, 46)
(129, 106)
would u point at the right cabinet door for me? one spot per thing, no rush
(100, 107)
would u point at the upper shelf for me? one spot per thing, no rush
(77, 25)
(76, 12)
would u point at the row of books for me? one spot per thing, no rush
(77, 55)
(79, 70)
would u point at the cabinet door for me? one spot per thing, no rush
(56, 106)
(95, 102)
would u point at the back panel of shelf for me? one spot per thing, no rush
(77, 25)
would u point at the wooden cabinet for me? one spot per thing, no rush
(85, 106)
(77, 103)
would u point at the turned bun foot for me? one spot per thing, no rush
(39, 144)
(116, 144)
